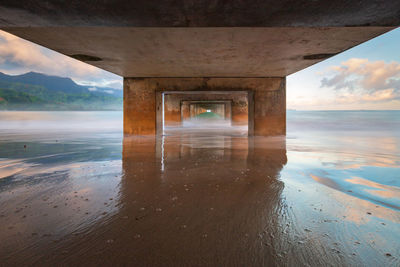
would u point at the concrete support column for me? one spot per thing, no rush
(228, 110)
(270, 107)
(240, 111)
(185, 112)
(139, 107)
(172, 110)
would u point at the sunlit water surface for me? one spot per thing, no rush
(74, 191)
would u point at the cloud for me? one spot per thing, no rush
(92, 89)
(116, 84)
(18, 56)
(386, 94)
(361, 80)
(111, 83)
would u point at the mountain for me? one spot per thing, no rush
(36, 91)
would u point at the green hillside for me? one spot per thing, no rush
(15, 95)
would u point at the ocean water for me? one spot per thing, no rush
(73, 190)
(358, 152)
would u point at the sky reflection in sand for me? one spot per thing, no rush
(321, 195)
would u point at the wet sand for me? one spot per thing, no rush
(208, 198)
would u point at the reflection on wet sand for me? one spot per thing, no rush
(51, 191)
(182, 200)
(209, 198)
(210, 203)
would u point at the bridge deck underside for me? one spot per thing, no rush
(199, 52)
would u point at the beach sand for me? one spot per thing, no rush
(198, 198)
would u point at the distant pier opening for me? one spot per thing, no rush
(203, 111)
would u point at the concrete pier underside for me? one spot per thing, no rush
(191, 109)
(213, 45)
(179, 107)
(266, 101)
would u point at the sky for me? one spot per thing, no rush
(364, 77)
(18, 56)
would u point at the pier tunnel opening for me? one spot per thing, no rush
(204, 111)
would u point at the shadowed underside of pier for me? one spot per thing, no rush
(199, 38)
(253, 45)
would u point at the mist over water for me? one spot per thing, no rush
(327, 193)
(214, 126)
(59, 121)
(206, 123)
(366, 123)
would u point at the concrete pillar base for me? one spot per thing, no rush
(265, 108)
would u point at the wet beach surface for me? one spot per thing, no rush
(326, 194)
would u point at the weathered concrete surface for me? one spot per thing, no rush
(199, 108)
(172, 110)
(267, 115)
(237, 109)
(139, 109)
(270, 106)
(200, 13)
(220, 107)
(199, 52)
(176, 106)
(228, 110)
(185, 108)
(240, 110)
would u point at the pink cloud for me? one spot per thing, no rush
(386, 94)
(19, 56)
(362, 80)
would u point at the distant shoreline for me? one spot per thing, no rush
(333, 110)
(52, 110)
